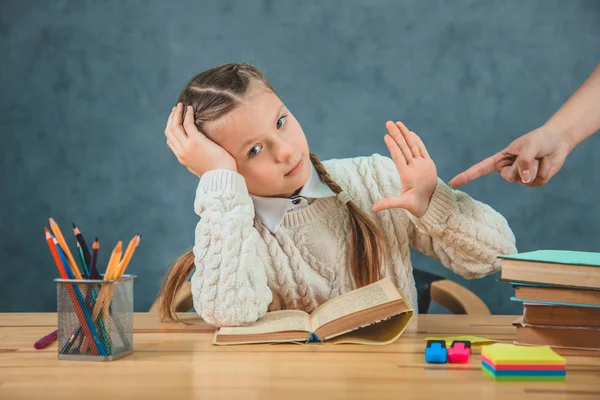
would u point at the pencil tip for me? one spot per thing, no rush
(74, 226)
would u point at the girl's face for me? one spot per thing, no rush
(267, 143)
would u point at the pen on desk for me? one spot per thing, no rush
(46, 340)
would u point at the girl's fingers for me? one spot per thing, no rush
(173, 148)
(169, 120)
(174, 142)
(420, 145)
(400, 141)
(176, 125)
(188, 123)
(395, 152)
(410, 141)
(169, 129)
(409, 136)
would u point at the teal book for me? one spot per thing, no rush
(576, 269)
(568, 257)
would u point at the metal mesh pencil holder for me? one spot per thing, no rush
(95, 318)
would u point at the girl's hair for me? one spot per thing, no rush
(214, 93)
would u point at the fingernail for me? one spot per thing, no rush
(525, 176)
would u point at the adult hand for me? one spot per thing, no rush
(533, 159)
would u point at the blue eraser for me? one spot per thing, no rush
(436, 352)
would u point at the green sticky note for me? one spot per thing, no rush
(475, 340)
(559, 257)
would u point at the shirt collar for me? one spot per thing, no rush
(272, 210)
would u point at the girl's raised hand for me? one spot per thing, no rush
(418, 175)
(192, 148)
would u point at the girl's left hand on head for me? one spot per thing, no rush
(418, 175)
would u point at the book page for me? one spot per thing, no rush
(366, 297)
(275, 321)
(381, 333)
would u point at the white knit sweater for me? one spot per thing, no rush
(243, 270)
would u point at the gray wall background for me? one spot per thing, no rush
(86, 88)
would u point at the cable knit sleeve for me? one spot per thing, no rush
(229, 286)
(464, 234)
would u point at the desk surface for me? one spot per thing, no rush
(179, 361)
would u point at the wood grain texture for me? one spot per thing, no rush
(179, 361)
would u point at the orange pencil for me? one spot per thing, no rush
(95, 248)
(63, 244)
(113, 262)
(55, 256)
(133, 244)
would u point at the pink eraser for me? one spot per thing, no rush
(459, 352)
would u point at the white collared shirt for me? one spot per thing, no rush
(272, 210)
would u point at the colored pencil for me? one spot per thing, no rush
(113, 262)
(128, 254)
(63, 244)
(81, 241)
(83, 263)
(95, 249)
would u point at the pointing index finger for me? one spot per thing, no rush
(482, 168)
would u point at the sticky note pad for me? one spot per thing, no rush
(501, 353)
(505, 362)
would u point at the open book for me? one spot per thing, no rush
(374, 314)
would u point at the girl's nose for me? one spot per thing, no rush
(284, 152)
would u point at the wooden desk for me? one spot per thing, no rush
(178, 361)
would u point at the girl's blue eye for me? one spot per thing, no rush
(280, 122)
(254, 151)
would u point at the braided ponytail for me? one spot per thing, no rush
(366, 252)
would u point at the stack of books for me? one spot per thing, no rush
(560, 292)
(506, 362)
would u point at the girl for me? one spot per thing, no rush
(280, 230)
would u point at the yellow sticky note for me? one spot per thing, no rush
(501, 353)
(475, 340)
